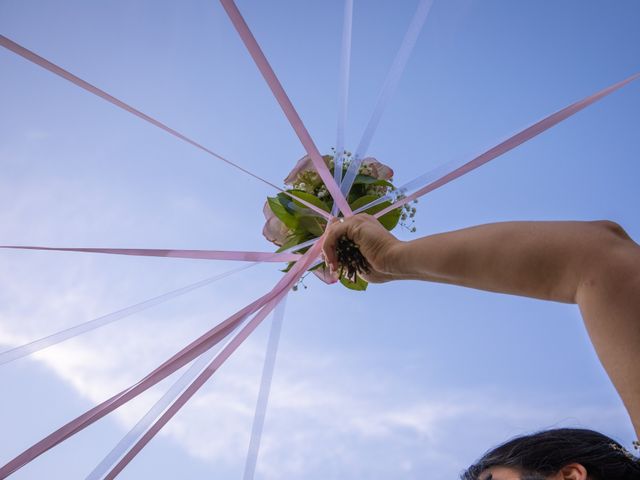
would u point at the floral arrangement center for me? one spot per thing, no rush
(290, 223)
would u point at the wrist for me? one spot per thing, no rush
(397, 262)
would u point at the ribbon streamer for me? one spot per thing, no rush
(265, 389)
(198, 254)
(187, 354)
(209, 370)
(345, 63)
(53, 68)
(53, 339)
(285, 103)
(99, 411)
(437, 178)
(145, 423)
(215, 363)
(389, 87)
(58, 337)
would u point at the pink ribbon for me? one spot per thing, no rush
(207, 373)
(286, 284)
(199, 254)
(53, 68)
(45, 342)
(511, 143)
(184, 356)
(213, 366)
(287, 107)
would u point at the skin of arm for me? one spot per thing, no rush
(594, 264)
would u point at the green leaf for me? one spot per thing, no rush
(364, 179)
(312, 199)
(384, 183)
(368, 180)
(279, 211)
(308, 223)
(286, 203)
(292, 241)
(388, 220)
(359, 284)
(362, 201)
(311, 224)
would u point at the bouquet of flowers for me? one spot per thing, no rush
(290, 223)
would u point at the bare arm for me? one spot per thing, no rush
(593, 264)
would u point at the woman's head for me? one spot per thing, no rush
(564, 453)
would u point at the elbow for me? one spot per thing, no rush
(612, 263)
(608, 228)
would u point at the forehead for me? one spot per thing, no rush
(500, 473)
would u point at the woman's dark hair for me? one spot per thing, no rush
(546, 453)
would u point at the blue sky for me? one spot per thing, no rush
(408, 380)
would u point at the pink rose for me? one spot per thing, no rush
(274, 230)
(305, 164)
(378, 170)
